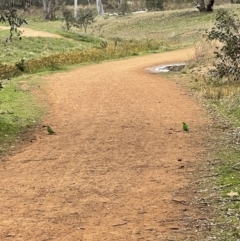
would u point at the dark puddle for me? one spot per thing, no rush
(166, 68)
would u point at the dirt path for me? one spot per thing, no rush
(112, 171)
(28, 32)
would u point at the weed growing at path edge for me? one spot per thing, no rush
(18, 110)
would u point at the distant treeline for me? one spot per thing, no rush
(5, 4)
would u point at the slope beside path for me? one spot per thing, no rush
(118, 160)
(28, 32)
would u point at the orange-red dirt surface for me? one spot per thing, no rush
(118, 160)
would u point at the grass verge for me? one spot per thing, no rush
(221, 186)
(224, 194)
(19, 110)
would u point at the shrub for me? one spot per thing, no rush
(21, 64)
(226, 31)
(14, 20)
(84, 18)
(68, 18)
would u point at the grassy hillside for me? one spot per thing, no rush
(172, 29)
(182, 27)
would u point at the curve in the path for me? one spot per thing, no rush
(113, 169)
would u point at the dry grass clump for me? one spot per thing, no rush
(203, 81)
(204, 50)
(221, 92)
(216, 90)
(107, 50)
(7, 71)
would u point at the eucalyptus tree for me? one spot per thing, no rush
(99, 7)
(6, 4)
(202, 7)
(50, 7)
(14, 20)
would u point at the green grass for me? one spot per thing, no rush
(227, 208)
(86, 39)
(19, 110)
(174, 29)
(230, 108)
(48, 26)
(57, 27)
(36, 47)
(229, 170)
(182, 27)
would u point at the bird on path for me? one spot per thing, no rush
(185, 126)
(50, 130)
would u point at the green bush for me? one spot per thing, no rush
(85, 17)
(226, 31)
(68, 18)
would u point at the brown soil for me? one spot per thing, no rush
(117, 164)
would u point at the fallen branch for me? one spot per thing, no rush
(179, 201)
(119, 224)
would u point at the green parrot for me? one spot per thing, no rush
(50, 131)
(185, 126)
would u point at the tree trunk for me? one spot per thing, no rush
(52, 10)
(44, 6)
(203, 8)
(201, 5)
(49, 8)
(12, 3)
(26, 4)
(100, 7)
(210, 5)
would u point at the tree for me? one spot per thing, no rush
(84, 18)
(100, 7)
(49, 8)
(69, 18)
(205, 8)
(226, 31)
(15, 21)
(16, 4)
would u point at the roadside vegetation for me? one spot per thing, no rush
(19, 111)
(212, 77)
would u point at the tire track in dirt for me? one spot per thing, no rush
(112, 170)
